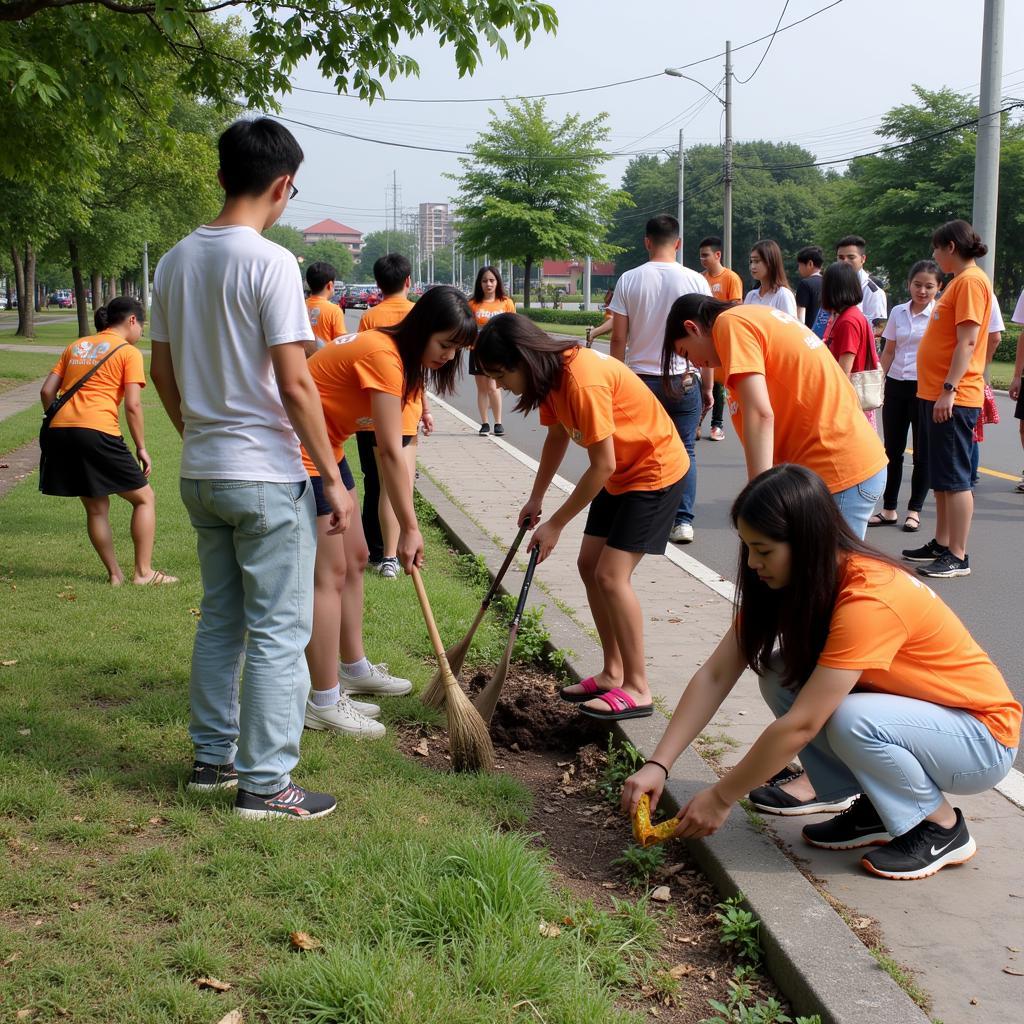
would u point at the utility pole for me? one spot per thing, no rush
(679, 201)
(727, 169)
(986, 154)
(588, 270)
(145, 277)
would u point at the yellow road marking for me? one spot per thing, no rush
(987, 472)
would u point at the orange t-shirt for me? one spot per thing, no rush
(326, 319)
(95, 405)
(346, 375)
(483, 311)
(818, 420)
(386, 313)
(601, 397)
(725, 286)
(908, 642)
(966, 299)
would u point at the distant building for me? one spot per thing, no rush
(332, 231)
(435, 228)
(568, 274)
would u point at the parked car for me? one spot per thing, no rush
(362, 296)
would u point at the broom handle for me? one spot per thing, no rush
(527, 580)
(500, 575)
(428, 617)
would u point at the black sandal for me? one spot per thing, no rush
(912, 523)
(879, 520)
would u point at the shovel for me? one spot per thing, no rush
(433, 696)
(487, 699)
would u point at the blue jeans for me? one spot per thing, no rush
(257, 545)
(857, 503)
(683, 405)
(902, 753)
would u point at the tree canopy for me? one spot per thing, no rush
(533, 188)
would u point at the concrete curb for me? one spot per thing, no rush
(813, 956)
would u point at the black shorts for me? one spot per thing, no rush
(635, 520)
(76, 462)
(407, 439)
(1019, 411)
(474, 364)
(947, 447)
(322, 507)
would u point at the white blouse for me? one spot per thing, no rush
(906, 330)
(782, 299)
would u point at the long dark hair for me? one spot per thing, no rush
(840, 288)
(770, 253)
(701, 309)
(510, 342)
(116, 311)
(791, 504)
(478, 292)
(965, 239)
(442, 308)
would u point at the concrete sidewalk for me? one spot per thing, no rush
(961, 932)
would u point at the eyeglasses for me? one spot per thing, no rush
(294, 191)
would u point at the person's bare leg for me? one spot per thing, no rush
(143, 503)
(328, 578)
(97, 521)
(959, 512)
(612, 576)
(350, 628)
(494, 398)
(385, 513)
(942, 518)
(610, 675)
(483, 390)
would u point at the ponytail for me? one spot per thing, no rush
(117, 311)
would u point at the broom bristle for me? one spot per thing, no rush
(433, 695)
(468, 738)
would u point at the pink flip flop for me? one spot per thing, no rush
(589, 692)
(621, 705)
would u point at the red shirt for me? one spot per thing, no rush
(851, 332)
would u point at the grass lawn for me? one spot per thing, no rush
(119, 889)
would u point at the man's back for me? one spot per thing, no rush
(645, 295)
(221, 298)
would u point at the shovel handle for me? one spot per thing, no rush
(525, 590)
(500, 575)
(428, 617)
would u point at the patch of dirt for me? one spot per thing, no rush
(17, 464)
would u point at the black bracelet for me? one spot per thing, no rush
(659, 764)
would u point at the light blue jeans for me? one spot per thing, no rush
(857, 503)
(902, 753)
(257, 546)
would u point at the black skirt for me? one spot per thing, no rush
(77, 462)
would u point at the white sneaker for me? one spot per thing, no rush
(344, 718)
(378, 681)
(717, 434)
(389, 569)
(682, 533)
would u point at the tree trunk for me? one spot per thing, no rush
(79, 280)
(111, 289)
(527, 273)
(97, 290)
(19, 287)
(25, 271)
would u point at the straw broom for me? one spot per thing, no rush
(468, 738)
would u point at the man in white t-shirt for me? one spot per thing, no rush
(640, 307)
(229, 329)
(852, 249)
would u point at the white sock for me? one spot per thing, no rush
(325, 698)
(357, 669)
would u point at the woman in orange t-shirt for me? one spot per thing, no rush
(633, 486)
(950, 390)
(874, 682)
(489, 299)
(83, 453)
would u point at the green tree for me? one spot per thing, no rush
(533, 189)
(332, 252)
(291, 238)
(379, 243)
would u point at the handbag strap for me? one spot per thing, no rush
(66, 396)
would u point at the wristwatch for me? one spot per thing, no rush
(946, 386)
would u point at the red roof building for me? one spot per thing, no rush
(568, 274)
(334, 232)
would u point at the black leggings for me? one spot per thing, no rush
(366, 441)
(899, 411)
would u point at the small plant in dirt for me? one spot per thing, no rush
(742, 1006)
(639, 863)
(559, 661)
(738, 928)
(532, 637)
(623, 760)
(473, 569)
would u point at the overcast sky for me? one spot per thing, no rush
(824, 84)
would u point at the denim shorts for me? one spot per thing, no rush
(323, 508)
(946, 447)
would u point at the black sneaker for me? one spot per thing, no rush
(946, 566)
(485, 428)
(773, 799)
(859, 825)
(922, 851)
(209, 777)
(292, 802)
(928, 553)
(498, 430)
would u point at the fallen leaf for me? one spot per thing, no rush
(8, 662)
(234, 1017)
(213, 983)
(861, 922)
(194, 612)
(681, 971)
(1013, 949)
(422, 749)
(10, 960)
(423, 820)
(303, 940)
(609, 885)
(77, 817)
(562, 764)
(24, 732)
(550, 931)
(156, 821)
(75, 905)
(1013, 971)
(974, 1002)
(24, 1014)
(662, 894)
(568, 922)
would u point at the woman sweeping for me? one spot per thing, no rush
(83, 453)
(632, 487)
(489, 299)
(862, 663)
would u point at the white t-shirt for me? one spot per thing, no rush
(1018, 313)
(995, 321)
(906, 329)
(781, 298)
(645, 294)
(873, 305)
(221, 298)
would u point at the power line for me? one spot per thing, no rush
(743, 81)
(589, 88)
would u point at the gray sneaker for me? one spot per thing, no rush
(378, 682)
(343, 717)
(389, 568)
